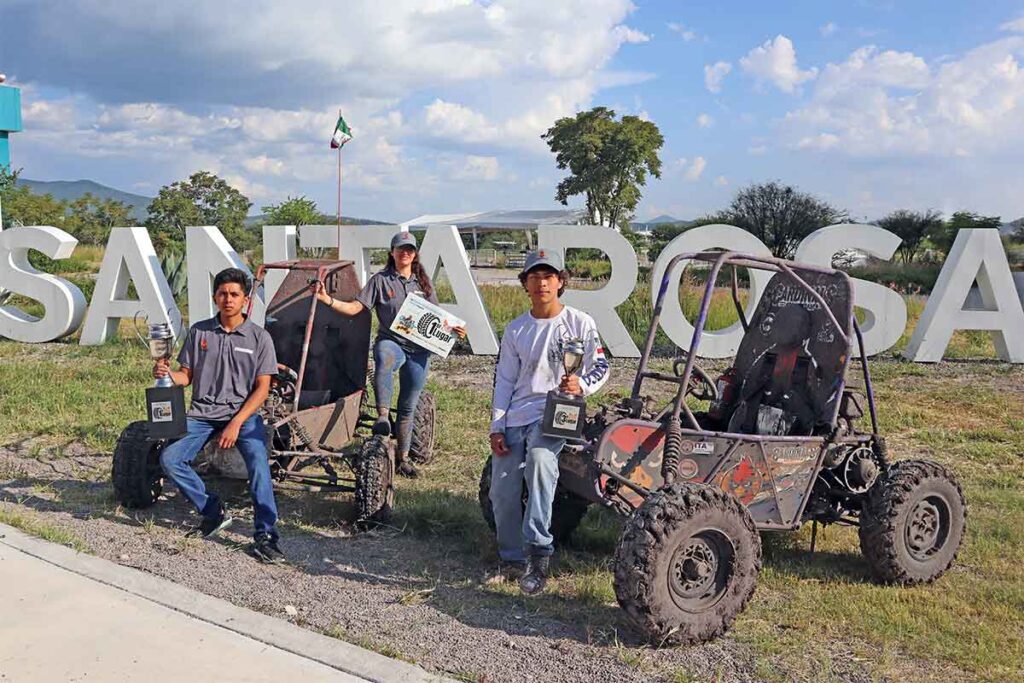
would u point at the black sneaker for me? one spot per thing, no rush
(407, 469)
(382, 427)
(265, 549)
(211, 526)
(536, 576)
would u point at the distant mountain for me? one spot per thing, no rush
(664, 218)
(69, 190)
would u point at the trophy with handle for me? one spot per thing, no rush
(564, 413)
(165, 402)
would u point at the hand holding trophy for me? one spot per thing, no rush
(565, 412)
(165, 403)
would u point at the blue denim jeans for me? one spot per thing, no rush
(412, 367)
(534, 460)
(176, 460)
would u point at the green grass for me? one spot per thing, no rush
(17, 518)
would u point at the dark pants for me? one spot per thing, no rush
(412, 367)
(176, 459)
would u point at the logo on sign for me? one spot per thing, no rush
(566, 417)
(430, 326)
(161, 411)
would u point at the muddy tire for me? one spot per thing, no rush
(137, 475)
(375, 492)
(687, 564)
(421, 448)
(567, 509)
(913, 523)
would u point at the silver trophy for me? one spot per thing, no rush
(565, 413)
(161, 347)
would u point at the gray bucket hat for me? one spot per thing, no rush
(404, 239)
(542, 257)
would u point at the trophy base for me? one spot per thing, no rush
(564, 416)
(165, 412)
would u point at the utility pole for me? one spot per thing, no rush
(10, 122)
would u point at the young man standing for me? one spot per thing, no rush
(529, 366)
(229, 361)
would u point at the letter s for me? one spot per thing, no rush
(64, 303)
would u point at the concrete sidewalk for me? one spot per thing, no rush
(67, 616)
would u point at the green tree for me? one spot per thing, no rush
(90, 218)
(293, 211)
(22, 206)
(912, 227)
(202, 199)
(608, 161)
(944, 234)
(779, 215)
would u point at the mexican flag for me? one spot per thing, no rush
(342, 134)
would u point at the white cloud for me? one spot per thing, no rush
(886, 103)
(829, 29)
(721, 181)
(775, 62)
(714, 74)
(476, 168)
(705, 121)
(687, 34)
(1015, 26)
(757, 150)
(695, 170)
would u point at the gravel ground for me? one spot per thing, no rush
(406, 597)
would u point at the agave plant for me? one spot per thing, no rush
(173, 265)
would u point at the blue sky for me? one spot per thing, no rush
(869, 104)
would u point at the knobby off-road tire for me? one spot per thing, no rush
(687, 563)
(375, 492)
(421, 448)
(567, 509)
(913, 522)
(137, 475)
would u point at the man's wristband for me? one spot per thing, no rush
(331, 305)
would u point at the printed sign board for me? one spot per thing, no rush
(427, 325)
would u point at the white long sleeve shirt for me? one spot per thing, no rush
(530, 365)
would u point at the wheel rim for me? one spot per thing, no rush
(927, 528)
(700, 570)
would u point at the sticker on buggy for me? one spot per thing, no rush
(688, 468)
(704, 448)
(566, 417)
(161, 411)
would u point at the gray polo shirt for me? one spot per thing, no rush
(225, 366)
(385, 292)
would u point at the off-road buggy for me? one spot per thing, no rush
(780, 444)
(318, 432)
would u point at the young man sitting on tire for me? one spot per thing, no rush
(229, 361)
(529, 366)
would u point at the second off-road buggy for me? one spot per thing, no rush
(318, 432)
(780, 444)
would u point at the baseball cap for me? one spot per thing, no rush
(542, 257)
(403, 239)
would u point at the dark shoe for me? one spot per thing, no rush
(536, 576)
(265, 549)
(211, 526)
(382, 427)
(407, 469)
(512, 571)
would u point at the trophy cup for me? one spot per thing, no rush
(165, 403)
(565, 414)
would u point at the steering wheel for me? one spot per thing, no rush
(703, 389)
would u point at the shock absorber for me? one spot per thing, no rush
(673, 446)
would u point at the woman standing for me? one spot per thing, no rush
(385, 292)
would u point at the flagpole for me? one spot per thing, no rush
(339, 195)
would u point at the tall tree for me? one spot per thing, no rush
(779, 215)
(22, 206)
(913, 228)
(91, 218)
(608, 161)
(944, 234)
(202, 199)
(292, 211)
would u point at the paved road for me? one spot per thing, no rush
(66, 616)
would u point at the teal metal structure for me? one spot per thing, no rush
(10, 121)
